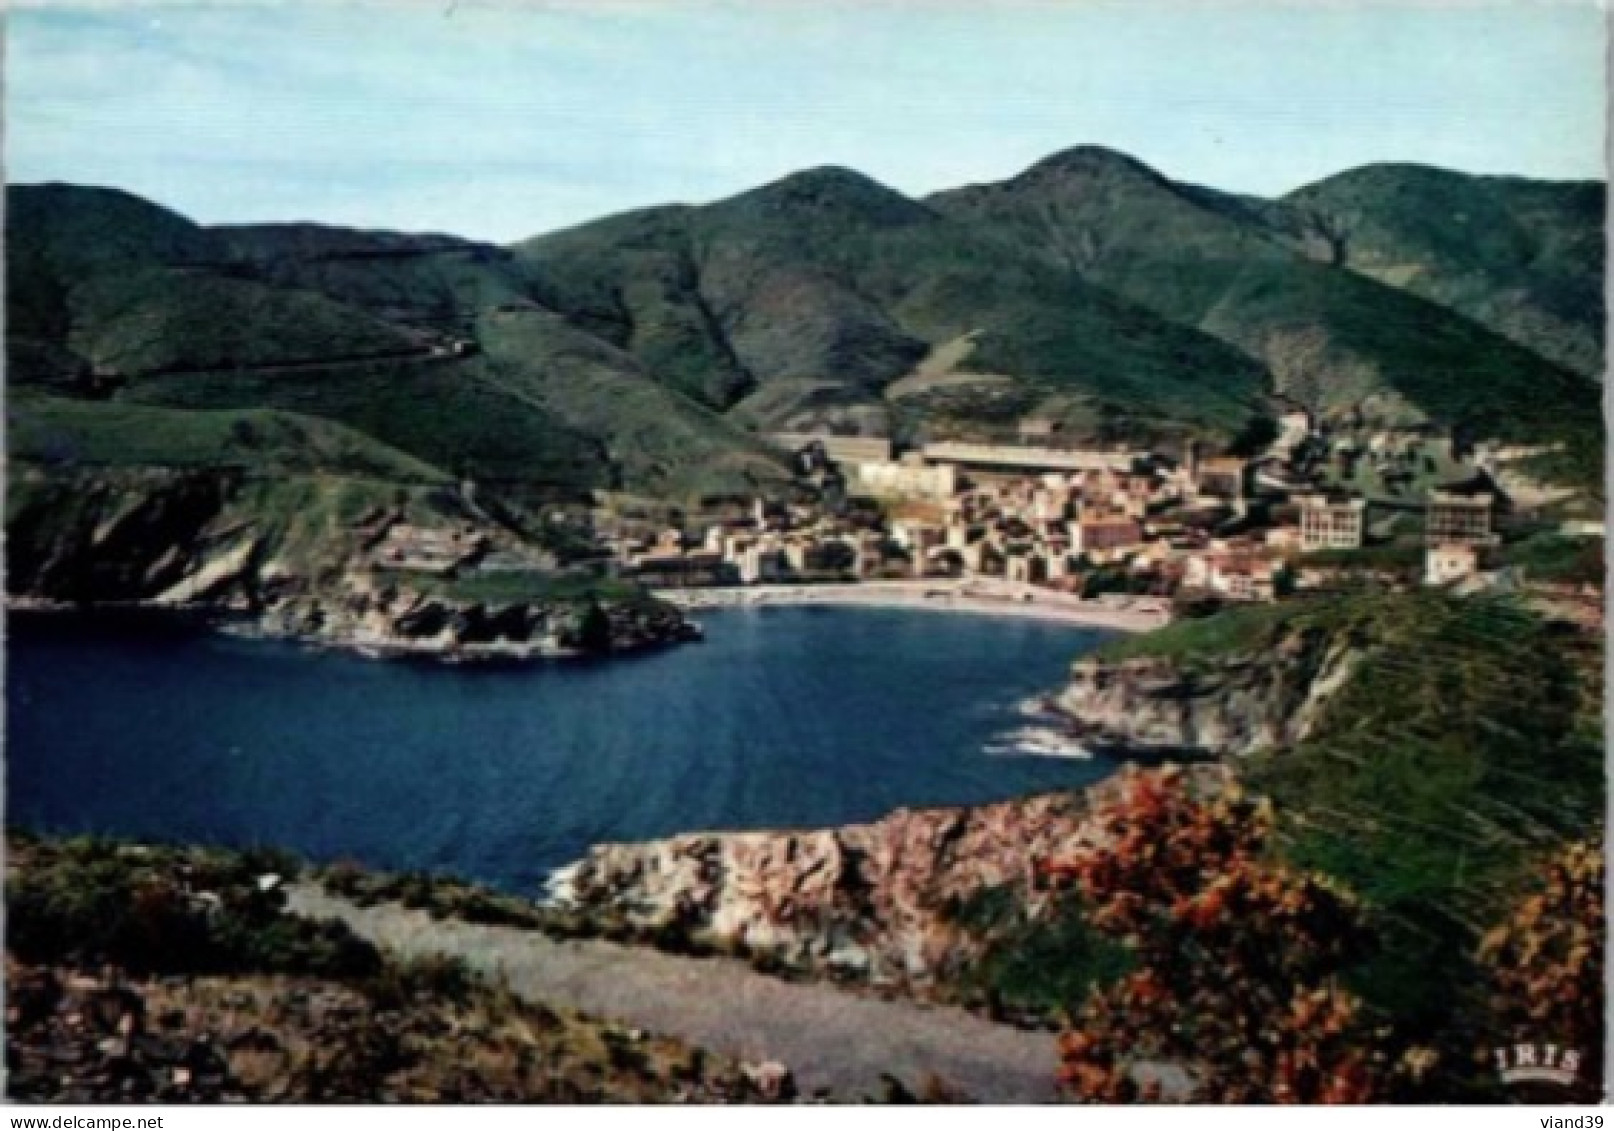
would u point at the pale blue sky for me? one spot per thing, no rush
(500, 121)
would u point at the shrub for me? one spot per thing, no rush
(156, 911)
(432, 978)
(1545, 965)
(1236, 960)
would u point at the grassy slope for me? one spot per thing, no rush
(1553, 558)
(155, 319)
(826, 274)
(631, 279)
(1521, 257)
(67, 232)
(134, 295)
(58, 235)
(256, 1003)
(1194, 639)
(449, 414)
(1466, 742)
(133, 287)
(153, 478)
(436, 281)
(666, 444)
(653, 437)
(1331, 337)
(60, 432)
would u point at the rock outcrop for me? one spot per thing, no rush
(398, 621)
(869, 902)
(1162, 706)
(292, 558)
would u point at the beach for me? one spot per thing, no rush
(1120, 613)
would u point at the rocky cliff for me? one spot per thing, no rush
(1235, 704)
(875, 901)
(887, 901)
(292, 556)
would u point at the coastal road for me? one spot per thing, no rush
(829, 1038)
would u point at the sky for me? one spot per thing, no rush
(503, 120)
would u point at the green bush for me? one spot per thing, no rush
(430, 978)
(158, 910)
(1044, 966)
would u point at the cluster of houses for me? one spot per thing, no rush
(770, 543)
(1076, 519)
(1035, 517)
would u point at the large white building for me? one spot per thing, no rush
(904, 480)
(1331, 524)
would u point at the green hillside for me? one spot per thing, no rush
(1333, 339)
(102, 279)
(631, 280)
(59, 237)
(663, 444)
(432, 281)
(447, 413)
(156, 320)
(642, 351)
(125, 302)
(62, 433)
(1466, 742)
(76, 229)
(829, 277)
(1521, 257)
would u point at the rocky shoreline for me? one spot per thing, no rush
(465, 633)
(874, 903)
(880, 903)
(331, 562)
(1160, 707)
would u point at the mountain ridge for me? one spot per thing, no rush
(1262, 277)
(1090, 288)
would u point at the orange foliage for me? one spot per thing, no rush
(1233, 997)
(1547, 963)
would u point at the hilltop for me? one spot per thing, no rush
(1512, 254)
(641, 353)
(116, 299)
(814, 295)
(1293, 285)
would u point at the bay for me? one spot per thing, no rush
(781, 717)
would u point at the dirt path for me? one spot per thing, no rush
(829, 1038)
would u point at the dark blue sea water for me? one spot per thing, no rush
(789, 716)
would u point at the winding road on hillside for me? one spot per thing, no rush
(829, 1038)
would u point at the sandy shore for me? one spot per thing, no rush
(1122, 615)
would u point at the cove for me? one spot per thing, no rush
(781, 717)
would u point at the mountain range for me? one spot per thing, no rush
(643, 353)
